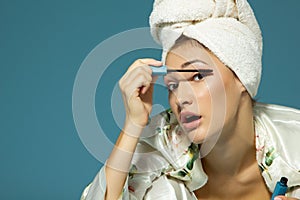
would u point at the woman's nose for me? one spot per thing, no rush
(184, 94)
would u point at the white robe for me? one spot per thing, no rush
(169, 169)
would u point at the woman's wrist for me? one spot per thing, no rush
(132, 129)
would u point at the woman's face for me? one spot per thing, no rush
(205, 104)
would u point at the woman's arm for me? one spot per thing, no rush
(136, 86)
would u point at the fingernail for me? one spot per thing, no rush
(277, 198)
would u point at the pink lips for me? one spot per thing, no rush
(189, 120)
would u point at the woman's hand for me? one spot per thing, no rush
(137, 86)
(284, 198)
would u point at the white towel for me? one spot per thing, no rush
(227, 27)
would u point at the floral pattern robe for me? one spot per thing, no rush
(166, 165)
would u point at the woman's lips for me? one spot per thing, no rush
(189, 120)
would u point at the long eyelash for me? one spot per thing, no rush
(203, 75)
(196, 75)
(199, 74)
(175, 85)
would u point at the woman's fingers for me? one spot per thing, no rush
(136, 79)
(284, 198)
(140, 68)
(145, 88)
(136, 87)
(133, 88)
(147, 61)
(141, 64)
(130, 75)
(144, 62)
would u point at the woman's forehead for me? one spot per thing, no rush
(185, 53)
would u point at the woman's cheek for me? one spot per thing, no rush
(203, 98)
(217, 105)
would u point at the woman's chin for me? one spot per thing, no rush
(196, 136)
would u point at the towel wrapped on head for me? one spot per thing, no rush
(228, 28)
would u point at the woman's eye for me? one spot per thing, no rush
(197, 77)
(172, 86)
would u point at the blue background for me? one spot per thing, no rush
(42, 45)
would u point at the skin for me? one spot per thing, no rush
(231, 164)
(284, 198)
(137, 87)
(230, 149)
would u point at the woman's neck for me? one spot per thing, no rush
(235, 149)
(232, 166)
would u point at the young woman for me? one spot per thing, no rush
(214, 142)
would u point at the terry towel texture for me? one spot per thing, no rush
(227, 27)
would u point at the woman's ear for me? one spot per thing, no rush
(241, 87)
(244, 89)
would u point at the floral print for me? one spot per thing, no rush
(174, 169)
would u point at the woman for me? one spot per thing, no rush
(214, 143)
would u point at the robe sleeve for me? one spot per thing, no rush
(96, 189)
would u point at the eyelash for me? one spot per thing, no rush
(199, 75)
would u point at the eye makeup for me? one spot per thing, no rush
(162, 71)
(172, 81)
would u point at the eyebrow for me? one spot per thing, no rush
(191, 70)
(192, 62)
